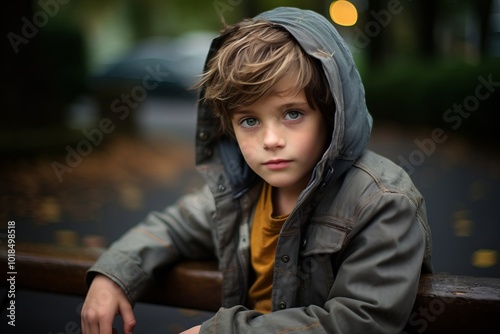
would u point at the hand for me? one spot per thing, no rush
(105, 299)
(192, 330)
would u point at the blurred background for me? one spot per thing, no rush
(97, 125)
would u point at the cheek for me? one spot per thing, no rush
(247, 148)
(307, 142)
(312, 142)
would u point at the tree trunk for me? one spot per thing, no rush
(483, 9)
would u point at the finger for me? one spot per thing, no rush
(95, 323)
(105, 327)
(94, 328)
(128, 318)
(85, 327)
(90, 327)
(90, 324)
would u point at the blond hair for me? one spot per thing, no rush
(253, 58)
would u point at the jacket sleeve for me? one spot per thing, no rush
(375, 287)
(182, 230)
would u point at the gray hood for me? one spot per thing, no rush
(353, 122)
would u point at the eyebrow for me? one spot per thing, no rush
(293, 104)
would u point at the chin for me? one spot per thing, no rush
(281, 182)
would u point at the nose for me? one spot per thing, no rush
(272, 138)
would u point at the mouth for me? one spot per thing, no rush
(277, 164)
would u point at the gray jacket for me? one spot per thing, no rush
(349, 257)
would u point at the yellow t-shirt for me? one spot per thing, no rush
(263, 241)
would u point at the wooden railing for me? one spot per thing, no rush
(444, 304)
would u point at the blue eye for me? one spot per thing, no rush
(293, 115)
(249, 122)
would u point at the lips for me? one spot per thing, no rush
(277, 164)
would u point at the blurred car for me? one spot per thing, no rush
(158, 74)
(176, 62)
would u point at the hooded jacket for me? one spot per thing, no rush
(349, 256)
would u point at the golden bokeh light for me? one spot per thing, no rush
(343, 13)
(484, 258)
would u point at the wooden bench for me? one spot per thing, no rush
(445, 303)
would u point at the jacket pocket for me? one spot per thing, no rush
(321, 237)
(320, 245)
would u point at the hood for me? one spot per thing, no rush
(317, 36)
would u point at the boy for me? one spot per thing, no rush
(312, 232)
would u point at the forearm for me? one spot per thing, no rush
(181, 230)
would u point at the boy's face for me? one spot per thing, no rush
(281, 137)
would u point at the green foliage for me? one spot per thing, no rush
(421, 94)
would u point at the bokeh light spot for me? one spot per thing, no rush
(343, 13)
(484, 258)
(462, 225)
